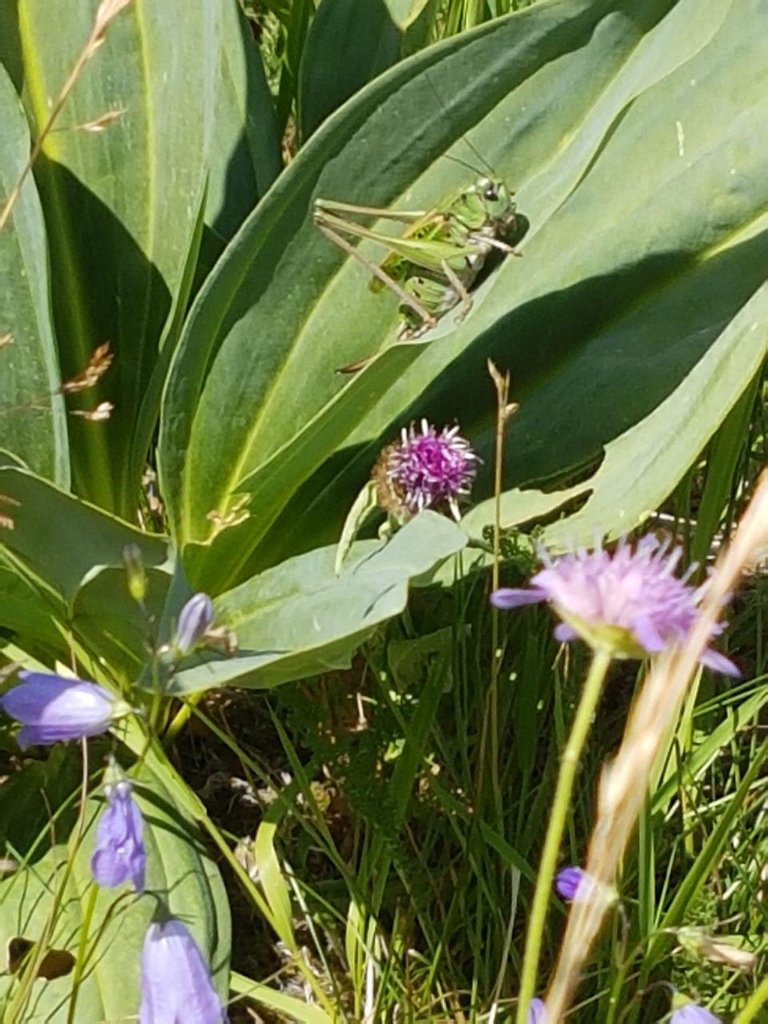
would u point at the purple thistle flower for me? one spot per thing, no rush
(425, 469)
(629, 601)
(119, 853)
(537, 1012)
(195, 619)
(176, 986)
(52, 708)
(690, 1013)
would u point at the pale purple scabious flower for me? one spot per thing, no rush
(119, 854)
(693, 1014)
(425, 469)
(629, 601)
(537, 1012)
(195, 619)
(176, 986)
(52, 708)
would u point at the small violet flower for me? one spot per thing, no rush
(52, 708)
(119, 853)
(629, 601)
(690, 1013)
(176, 986)
(425, 469)
(573, 885)
(195, 620)
(537, 1012)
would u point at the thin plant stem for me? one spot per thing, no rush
(90, 907)
(755, 1002)
(558, 819)
(489, 740)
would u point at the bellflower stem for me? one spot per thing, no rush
(558, 818)
(755, 1002)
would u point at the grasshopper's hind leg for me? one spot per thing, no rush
(461, 290)
(405, 297)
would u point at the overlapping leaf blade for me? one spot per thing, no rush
(301, 618)
(121, 203)
(32, 418)
(627, 278)
(245, 151)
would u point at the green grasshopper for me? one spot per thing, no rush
(432, 267)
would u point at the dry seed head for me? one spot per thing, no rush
(101, 413)
(100, 362)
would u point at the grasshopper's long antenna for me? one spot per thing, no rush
(479, 155)
(465, 138)
(458, 160)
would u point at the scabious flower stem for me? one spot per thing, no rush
(558, 819)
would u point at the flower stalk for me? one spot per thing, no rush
(590, 696)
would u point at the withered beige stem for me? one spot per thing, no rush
(625, 780)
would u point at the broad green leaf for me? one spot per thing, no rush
(60, 542)
(120, 203)
(299, 618)
(25, 818)
(245, 152)
(32, 417)
(654, 449)
(348, 44)
(28, 609)
(107, 620)
(178, 867)
(627, 279)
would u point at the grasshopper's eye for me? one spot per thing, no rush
(490, 193)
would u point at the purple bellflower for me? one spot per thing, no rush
(425, 469)
(176, 986)
(119, 852)
(52, 708)
(573, 885)
(537, 1012)
(195, 619)
(629, 602)
(690, 1013)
